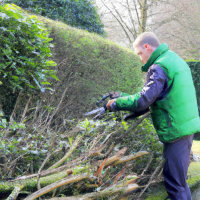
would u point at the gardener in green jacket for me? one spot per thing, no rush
(169, 92)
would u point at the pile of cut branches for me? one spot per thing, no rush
(98, 171)
(107, 159)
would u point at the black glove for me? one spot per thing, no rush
(114, 95)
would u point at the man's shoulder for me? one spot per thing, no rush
(156, 68)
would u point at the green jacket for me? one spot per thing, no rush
(176, 115)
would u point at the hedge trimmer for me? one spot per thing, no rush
(103, 109)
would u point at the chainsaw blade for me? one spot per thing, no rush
(94, 111)
(103, 111)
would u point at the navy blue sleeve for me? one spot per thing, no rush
(156, 86)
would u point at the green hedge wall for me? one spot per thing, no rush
(94, 65)
(195, 69)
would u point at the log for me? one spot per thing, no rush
(110, 191)
(31, 184)
(57, 184)
(15, 193)
(44, 173)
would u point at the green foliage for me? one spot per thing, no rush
(25, 50)
(195, 69)
(24, 54)
(78, 13)
(14, 125)
(94, 65)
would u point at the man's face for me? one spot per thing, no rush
(143, 52)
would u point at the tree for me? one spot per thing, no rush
(181, 20)
(132, 16)
(81, 14)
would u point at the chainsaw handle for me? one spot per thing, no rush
(102, 99)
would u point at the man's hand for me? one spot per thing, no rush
(114, 95)
(109, 104)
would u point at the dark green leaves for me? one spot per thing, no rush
(25, 50)
(81, 14)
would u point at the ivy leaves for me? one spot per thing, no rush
(25, 50)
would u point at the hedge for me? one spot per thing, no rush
(195, 69)
(96, 66)
(76, 13)
(25, 61)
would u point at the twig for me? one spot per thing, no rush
(108, 152)
(44, 162)
(150, 180)
(107, 192)
(131, 157)
(73, 147)
(13, 167)
(148, 164)
(36, 111)
(127, 35)
(63, 95)
(25, 110)
(11, 117)
(133, 126)
(52, 171)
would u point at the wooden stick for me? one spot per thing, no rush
(25, 110)
(73, 147)
(116, 157)
(133, 126)
(150, 180)
(131, 157)
(44, 162)
(150, 160)
(57, 184)
(15, 193)
(110, 191)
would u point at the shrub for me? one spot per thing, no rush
(93, 65)
(78, 13)
(24, 54)
(195, 69)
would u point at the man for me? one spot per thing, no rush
(170, 94)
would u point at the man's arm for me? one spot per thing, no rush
(155, 87)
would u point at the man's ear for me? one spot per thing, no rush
(147, 47)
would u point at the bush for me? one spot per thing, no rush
(24, 54)
(77, 13)
(92, 65)
(195, 69)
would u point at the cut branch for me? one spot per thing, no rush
(73, 147)
(133, 126)
(15, 193)
(116, 157)
(110, 191)
(57, 184)
(131, 157)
